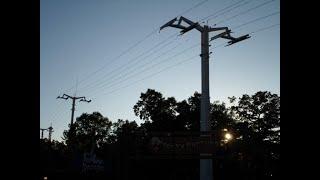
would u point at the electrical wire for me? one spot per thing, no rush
(154, 65)
(131, 47)
(128, 65)
(246, 11)
(257, 19)
(264, 28)
(221, 10)
(158, 72)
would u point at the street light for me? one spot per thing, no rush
(228, 137)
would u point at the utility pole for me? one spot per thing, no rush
(205, 164)
(50, 129)
(74, 98)
(41, 129)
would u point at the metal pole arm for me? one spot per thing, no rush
(218, 29)
(85, 100)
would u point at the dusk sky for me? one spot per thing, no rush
(110, 48)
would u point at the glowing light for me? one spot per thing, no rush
(228, 136)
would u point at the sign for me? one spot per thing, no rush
(91, 163)
(181, 145)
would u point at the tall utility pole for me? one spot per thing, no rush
(41, 129)
(205, 164)
(74, 98)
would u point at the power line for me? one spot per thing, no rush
(128, 73)
(220, 10)
(117, 57)
(133, 60)
(265, 28)
(131, 47)
(246, 11)
(162, 70)
(188, 10)
(150, 61)
(229, 10)
(257, 19)
(149, 76)
(152, 66)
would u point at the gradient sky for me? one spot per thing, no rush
(79, 37)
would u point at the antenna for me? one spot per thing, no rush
(75, 93)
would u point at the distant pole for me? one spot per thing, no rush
(205, 164)
(73, 109)
(41, 129)
(50, 132)
(74, 98)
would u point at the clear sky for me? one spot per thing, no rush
(95, 43)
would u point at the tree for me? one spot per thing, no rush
(90, 130)
(189, 112)
(122, 129)
(167, 114)
(260, 114)
(257, 127)
(153, 107)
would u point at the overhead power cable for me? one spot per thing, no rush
(158, 72)
(244, 12)
(257, 19)
(131, 47)
(150, 67)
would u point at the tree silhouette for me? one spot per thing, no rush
(253, 121)
(257, 129)
(90, 130)
(259, 117)
(153, 107)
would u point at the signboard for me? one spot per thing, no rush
(181, 145)
(91, 163)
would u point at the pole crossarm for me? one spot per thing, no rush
(218, 29)
(85, 100)
(196, 25)
(65, 96)
(185, 29)
(235, 40)
(74, 98)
